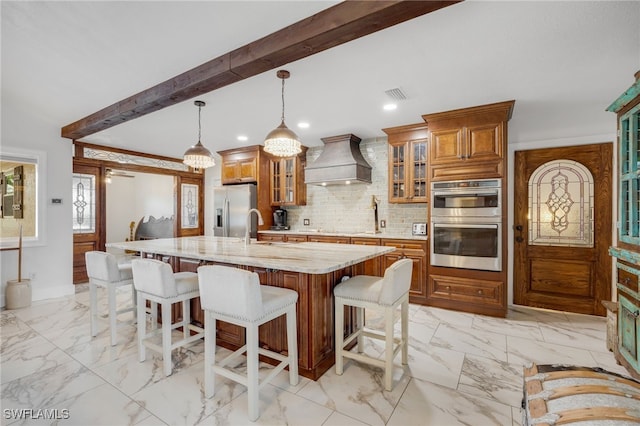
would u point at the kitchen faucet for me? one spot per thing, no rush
(374, 206)
(248, 229)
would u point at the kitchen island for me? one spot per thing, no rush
(312, 269)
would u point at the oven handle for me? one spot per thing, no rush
(465, 225)
(457, 193)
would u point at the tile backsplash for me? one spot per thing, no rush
(346, 208)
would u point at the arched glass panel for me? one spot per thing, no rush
(561, 205)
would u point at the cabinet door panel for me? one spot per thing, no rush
(483, 142)
(445, 146)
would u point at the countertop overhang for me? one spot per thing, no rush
(304, 257)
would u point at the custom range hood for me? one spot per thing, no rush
(340, 162)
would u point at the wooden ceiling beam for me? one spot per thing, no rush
(336, 25)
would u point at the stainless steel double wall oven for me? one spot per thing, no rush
(466, 224)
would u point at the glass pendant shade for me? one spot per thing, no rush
(282, 142)
(198, 156)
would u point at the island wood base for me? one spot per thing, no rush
(315, 315)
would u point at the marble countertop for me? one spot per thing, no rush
(386, 235)
(305, 257)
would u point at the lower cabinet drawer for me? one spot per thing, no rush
(466, 290)
(628, 276)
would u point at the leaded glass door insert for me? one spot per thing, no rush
(561, 204)
(84, 203)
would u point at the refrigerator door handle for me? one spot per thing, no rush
(225, 218)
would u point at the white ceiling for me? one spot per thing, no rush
(563, 63)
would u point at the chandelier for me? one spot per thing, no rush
(198, 156)
(281, 141)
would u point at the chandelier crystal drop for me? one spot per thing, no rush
(198, 156)
(282, 141)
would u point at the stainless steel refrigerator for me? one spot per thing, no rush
(231, 204)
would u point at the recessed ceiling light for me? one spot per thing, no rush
(389, 107)
(303, 125)
(242, 138)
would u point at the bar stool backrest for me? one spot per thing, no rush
(396, 281)
(102, 266)
(154, 277)
(230, 291)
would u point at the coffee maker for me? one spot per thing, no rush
(280, 220)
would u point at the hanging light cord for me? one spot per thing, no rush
(282, 100)
(199, 126)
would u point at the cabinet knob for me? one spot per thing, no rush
(448, 288)
(480, 292)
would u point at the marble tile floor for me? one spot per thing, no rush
(463, 369)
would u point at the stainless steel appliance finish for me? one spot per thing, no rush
(231, 204)
(280, 220)
(466, 198)
(339, 162)
(470, 243)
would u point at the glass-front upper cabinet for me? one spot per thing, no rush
(408, 153)
(287, 186)
(629, 126)
(408, 171)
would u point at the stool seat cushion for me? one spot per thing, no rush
(275, 298)
(365, 288)
(186, 282)
(125, 271)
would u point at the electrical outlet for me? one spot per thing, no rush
(383, 224)
(306, 222)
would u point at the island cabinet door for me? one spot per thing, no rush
(273, 335)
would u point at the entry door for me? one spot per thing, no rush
(562, 228)
(87, 201)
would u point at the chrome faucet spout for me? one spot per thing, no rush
(247, 238)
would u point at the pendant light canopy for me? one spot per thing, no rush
(198, 156)
(281, 141)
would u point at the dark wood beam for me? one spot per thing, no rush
(329, 28)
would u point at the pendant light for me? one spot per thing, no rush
(198, 156)
(281, 141)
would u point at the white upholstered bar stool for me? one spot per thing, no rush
(104, 271)
(156, 282)
(381, 293)
(234, 295)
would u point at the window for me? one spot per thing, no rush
(22, 196)
(630, 177)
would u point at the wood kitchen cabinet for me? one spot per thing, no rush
(468, 143)
(408, 147)
(249, 164)
(371, 266)
(627, 249)
(417, 252)
(292, 238)
(286, 180)
(241, 165)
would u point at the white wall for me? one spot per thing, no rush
(48, 264)
(130, 199)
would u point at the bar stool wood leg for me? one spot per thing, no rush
(339, 320)
(142, 328)
(405, 331)
(292, 345)
(389, 353)
(112, 314)
(252, 372)
(166, 337)
(209, 354)
(93, 296)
